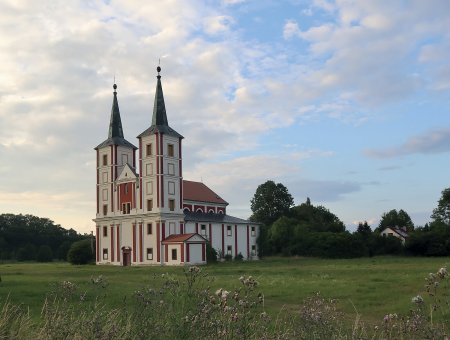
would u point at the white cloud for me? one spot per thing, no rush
(290, 29)
(217, 24)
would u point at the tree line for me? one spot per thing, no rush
(32, 238)
(309, 230)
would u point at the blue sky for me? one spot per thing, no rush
(345, 102)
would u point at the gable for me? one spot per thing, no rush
(195, 238)
(127, 174)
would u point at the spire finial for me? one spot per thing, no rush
(115, 87)
(158, 69)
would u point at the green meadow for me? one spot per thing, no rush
(370, 287)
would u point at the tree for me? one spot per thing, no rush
(270, 202)
(395, 218)
(364, 229)
(442, 212)
(80, 252)
(44, 254)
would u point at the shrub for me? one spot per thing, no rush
(44, 254)
(228, 257)
(81, 252)
(211, 253)
(239, 257)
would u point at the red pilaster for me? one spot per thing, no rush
(180, 167)
(112, 180)
(181, 228)
(118, 242)
(133, 196)
(158, 243)
(115, 162)
(134, 158)
(203, 252)
(162, 170)
(141, 244)
(98, 202)
(182, 252)
(134, 242)
(235, 241)
(141, 191)
(196, 227)
(112, 243)
(97, 243)
(163, 230)
(187, 252)
(210, 233)
(166, 252)
(157, 170)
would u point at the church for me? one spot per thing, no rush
(147, 214)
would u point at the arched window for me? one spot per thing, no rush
(186, 209)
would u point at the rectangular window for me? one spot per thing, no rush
(149, 205)
(149, 253)
(149, 229)
(253, 250)
(171, 188)
(170, 150)
(105, 159)
(126, 207)
(172, 228)
(149, 169)
(105, 209)
(170, 169)
(105, 231)
(172, 205)
(148, 150)
(124, 159)
(253, 231)
(203, 230)
(228, 230)
(174, 254)
(229, 250)
(105, 253)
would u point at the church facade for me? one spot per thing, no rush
(147, 214)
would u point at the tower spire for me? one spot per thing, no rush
(159, 108)
(115, 124)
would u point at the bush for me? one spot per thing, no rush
(44, 254)
(211, 253)
(239, 257)
(81, 252)
(228, 257)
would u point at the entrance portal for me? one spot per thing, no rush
(126, 256)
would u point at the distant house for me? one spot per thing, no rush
(399, 232)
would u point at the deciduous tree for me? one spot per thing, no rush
(442, 212)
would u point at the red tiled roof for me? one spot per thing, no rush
(175, 238)
(197, 191)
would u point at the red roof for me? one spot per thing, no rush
(197, 191)
(176, 238)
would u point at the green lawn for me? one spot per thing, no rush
(371, 286)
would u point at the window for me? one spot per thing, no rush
(170, 169)
(229, 250)
(172, 228)
(203, 230)
(149, 169)
(172, 205)
(253, 231)
(126, 207)
(253, 250)
(150, 253)
(149, 205)
(149, 229)
(170, 150)
(105, 253)
(174, 254)
(105, 209)
(148, 150)
(105, 159)
(124, 158)
(171, 188)
(105, 231)
(228, 230)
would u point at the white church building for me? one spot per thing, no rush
(146, 213)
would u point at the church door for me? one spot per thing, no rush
(126, 255)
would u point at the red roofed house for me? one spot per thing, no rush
(154, 217)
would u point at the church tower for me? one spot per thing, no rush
(160, 173)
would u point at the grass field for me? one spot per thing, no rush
(372, 287)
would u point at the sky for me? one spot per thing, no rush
(345, 102)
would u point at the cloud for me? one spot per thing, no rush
(290, 29)
(217, 24)
(431, 142)
(321, 190)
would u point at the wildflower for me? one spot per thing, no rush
(417, 300)
(219, 292)
(225, 294)
(242, 279)
(443, 272)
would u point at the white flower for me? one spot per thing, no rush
(417, 299)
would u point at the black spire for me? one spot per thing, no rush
(115, 124)
(159, 108)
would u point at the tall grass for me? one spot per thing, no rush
(187, 308)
